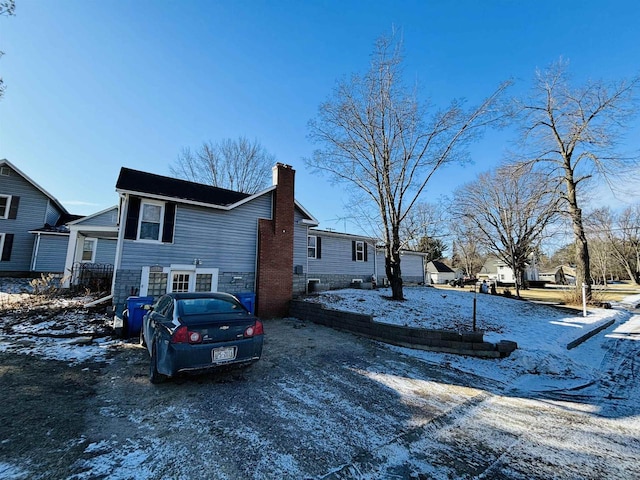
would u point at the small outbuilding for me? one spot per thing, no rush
(439, 273)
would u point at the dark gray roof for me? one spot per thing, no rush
(441, 267)
(143, 182)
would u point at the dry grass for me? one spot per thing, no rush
(569, 296)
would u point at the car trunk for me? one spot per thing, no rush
(223, 330)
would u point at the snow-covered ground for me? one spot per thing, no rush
(57, 328)
(545, 411)
(542, 332)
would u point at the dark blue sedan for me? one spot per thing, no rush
(196, 332)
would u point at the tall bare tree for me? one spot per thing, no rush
(376, 137)
(511, 208)
(235, 164)
(621, 232)
(467, 251)
(574, 133)
(598, 226)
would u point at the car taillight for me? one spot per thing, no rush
(253, 330)
(183, 335)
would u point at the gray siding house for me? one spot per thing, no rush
(336, 260)
(178, 236)
(32, 237)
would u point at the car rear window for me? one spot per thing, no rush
(205, 306)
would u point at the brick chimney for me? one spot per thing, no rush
(274, 286)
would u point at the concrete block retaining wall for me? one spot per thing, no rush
(466, 343)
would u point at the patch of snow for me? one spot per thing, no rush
(13, 472)
(542, 332)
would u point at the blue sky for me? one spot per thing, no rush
(96, 85)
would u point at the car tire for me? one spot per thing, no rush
(155, 377)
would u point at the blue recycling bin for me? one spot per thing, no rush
(135, 314)
(248, 300)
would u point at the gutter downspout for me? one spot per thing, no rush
(34, 256)
(124, 201)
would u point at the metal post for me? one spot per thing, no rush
(475, 295)
(584, 299)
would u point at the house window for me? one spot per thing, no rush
(359, 251)
(150, 221)
(157, 284)
(5, 201)
(312, 243)
(203, 282)
(89, 250)
(180, 282)
(5, 171)
(6, 244)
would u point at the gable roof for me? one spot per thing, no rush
(441, 267)
(135, 181)
(158, 186)
(64, 213)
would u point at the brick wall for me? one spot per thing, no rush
(275, 249)
(466, 343)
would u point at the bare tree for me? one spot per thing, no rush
(467, 251)
(424, 221)
(574, 134)
(376, 137)
(511, 208)
(621, 232)
(241, 165)
(598, 225)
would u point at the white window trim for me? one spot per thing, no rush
(315, 247)
(360, 243)
(208, 271)
(2, 236)
(214, 272)
(93, 251)
(140, 216)
(7, 208)
(192, 280)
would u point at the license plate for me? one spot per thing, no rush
(223, 354)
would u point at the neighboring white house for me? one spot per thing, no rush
(439, 273)
(498, 271)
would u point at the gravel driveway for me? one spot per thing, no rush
(320, 404)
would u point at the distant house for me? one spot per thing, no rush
(32, 233)
(439, 273)
(498, 271)
(555, 276)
